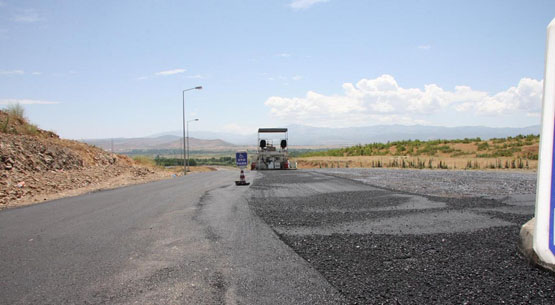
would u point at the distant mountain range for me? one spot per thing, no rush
(121, 145)
(306, 135)
(300, 135)
(383, 133)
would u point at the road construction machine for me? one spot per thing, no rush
(268, 154)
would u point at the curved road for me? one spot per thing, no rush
(293, 237)
(189, 240)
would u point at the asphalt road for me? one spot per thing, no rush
(189, 240)
(380, 245)
(292, 237)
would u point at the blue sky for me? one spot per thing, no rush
(97, 69)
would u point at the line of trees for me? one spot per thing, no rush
(222, 161)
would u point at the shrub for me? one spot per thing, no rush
(15, 111)
(483, 146)
(144, 160)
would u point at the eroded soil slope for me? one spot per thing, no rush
(36, 165)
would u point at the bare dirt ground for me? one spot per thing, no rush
(90, 181)
(37, 166)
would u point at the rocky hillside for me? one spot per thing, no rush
(36, 165)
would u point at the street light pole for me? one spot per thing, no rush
(188, 155)
(184, 148)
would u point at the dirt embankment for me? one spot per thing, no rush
(37, 165)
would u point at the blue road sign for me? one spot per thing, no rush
(241, 159)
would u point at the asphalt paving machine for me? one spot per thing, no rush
(269, 155)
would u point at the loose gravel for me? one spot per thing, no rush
(461, 183)
(409, 237)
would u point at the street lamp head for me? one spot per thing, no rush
(198, 87)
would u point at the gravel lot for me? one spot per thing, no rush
(406, 236)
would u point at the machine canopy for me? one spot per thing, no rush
(271, 130)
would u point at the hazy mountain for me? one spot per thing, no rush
(314, 136)
(160, 142)
(236, 139)
(306, 135)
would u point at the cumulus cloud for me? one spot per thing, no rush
(304, 4)
(169, 72)
(26, 102)
(382, 100)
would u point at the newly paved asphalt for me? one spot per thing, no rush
(384, 246)
(189, 240)
(291, 237)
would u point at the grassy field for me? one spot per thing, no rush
(520, 152)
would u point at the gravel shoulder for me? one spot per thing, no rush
(402, 236)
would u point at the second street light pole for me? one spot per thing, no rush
(184, 148)
(187, 154)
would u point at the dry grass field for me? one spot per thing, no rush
(512, 153)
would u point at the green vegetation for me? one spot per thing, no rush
(221, 161)
(15, 110)
(13, 121)
(144, 160)
(177, 152)
(504, 147)
(297, 152)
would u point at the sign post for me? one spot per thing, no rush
(544, 234)
(241, 159)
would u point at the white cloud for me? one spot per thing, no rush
(382, 100)
(165, 73)
(170, 72)
(12, 72)
(26, 102)
(304, 4)
(26, 16)
(297, 77)
(36, 73)
(424, 47)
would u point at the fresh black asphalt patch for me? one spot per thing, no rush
(376, 245)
